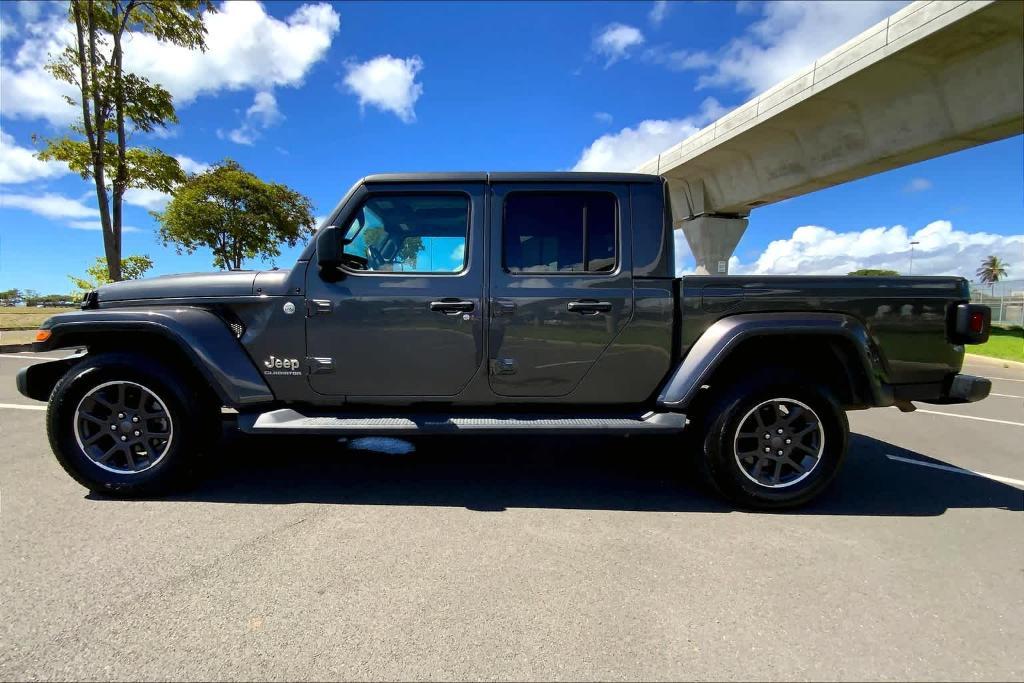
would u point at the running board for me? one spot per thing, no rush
(288, 421)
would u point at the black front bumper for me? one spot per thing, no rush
(36, 381)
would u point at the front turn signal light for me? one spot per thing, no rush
(43, 335)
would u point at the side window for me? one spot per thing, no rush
(559, 232)
(424, 233)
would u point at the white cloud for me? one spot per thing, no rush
(19, 164)
(676, 60)
(58, 207)
(603, 117)
(189, 165)
(684, 257)
(942, 251)
(48, 205)
(387, 83)
(246, 48)
(165, 133)
(96, 225)
(918, 185)
(30, 9)
(239, 136)
(789, 36)
(630, 147)
(263, 113)
(153, 200)
(615, 41)
(458, 255)
(658, 12)
(8, 30)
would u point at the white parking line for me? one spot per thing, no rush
(21, 406)
(1006, 396)
(1004, 379)
(958, 470)
(970, 417)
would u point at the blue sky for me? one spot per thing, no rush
(317, 95)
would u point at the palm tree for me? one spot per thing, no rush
(992, 270)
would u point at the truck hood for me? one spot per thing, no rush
(218, 285)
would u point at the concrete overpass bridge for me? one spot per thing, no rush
(936, 77)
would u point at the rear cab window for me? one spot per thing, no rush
(559, 232)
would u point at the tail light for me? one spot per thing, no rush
(971, 324)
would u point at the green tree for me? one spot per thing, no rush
(236, 215)
(9, 297)
(875, 272)
(992, 270)
(113, 99)
(132, 268)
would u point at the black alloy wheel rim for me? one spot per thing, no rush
(779, 443)
(123, 427)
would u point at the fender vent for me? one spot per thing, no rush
(233, 321)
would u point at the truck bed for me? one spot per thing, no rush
(906, 317)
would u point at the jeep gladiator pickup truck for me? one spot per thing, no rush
(500, 303)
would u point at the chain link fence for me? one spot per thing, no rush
(1006, 299)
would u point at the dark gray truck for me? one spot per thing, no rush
(500, 303)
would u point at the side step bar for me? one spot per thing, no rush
(288, 421)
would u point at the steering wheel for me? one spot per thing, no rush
(375, 259)
(354, 262)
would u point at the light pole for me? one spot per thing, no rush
(912, 257)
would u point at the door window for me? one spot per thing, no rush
(559, 232)
(409, 234)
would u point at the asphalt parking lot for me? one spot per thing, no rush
(522, 559)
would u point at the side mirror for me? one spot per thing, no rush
(330, 242)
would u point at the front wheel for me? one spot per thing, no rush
(770, 444)
(124, 425)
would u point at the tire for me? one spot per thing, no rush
(745, 419)
(151, 449)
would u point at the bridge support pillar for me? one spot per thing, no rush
(712, 240)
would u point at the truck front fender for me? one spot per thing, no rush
(713, 347)
(201, 336)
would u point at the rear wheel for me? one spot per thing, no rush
(773, 443)
(124, 425)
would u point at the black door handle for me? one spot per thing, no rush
(589, 306)
(452, 306)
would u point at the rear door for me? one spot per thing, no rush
(560, 283)
(405, 320)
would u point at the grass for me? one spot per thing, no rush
(1004, 343)
(17, 337)
(25, 318)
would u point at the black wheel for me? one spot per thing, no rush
(771, 444)
(123, 425)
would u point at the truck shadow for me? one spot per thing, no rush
(489, 474)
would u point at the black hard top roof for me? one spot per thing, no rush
(516, 177)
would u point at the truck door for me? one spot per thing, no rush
(405, 319)
(560, 283)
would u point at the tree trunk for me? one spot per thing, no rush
(121, 178)
(111, 239)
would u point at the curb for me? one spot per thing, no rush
(15, 348)
(995, 361)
